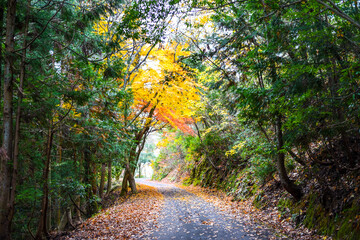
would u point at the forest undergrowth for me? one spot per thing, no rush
(328, 209)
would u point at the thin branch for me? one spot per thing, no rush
(63, 117)
(76, 205)
(142, 61)
(197, 129)
(338, 12)
(209, 59)
(137, 115)
(43, 30)
(220, 6)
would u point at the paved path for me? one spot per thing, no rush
(186, 216)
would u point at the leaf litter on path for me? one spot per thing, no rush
(188, 216)
(247, 213)
(137, 218)
(127, 219)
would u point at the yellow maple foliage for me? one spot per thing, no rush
(164, 82)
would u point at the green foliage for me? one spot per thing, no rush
(179, 153)
(74, 88)
(296, 62)
(262, 168)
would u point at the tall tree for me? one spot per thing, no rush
(7, 138)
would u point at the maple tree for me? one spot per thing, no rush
(164, 92)
(168, 85)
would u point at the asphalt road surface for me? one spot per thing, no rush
(187, 216)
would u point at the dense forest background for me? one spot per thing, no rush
(259, 98)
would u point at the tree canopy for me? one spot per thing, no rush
(267, 86)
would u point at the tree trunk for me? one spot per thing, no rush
(2, 10)
(129, 173)
(88, 180)
(69, 217)
(124, 186)
(77, 211)
(289, 186)
(128, 179)
(131, 170)
(133, 154)
(132, 182)
(102, 180)
(18, 117)
(49, 207)
(139, 167)
(6, 152)
(57, 200)
(93, 178)
(140, 148)
(42, 231)
(58, 212)
(63, 222)
(109, 179)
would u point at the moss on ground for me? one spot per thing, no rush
(309, 211)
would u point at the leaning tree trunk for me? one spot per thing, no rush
(141, 147)
(289, 186)
(134, 155)
(6, 151)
